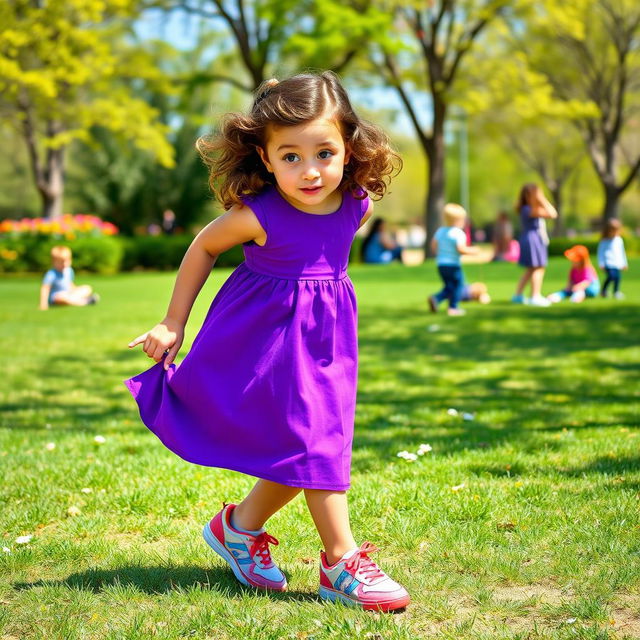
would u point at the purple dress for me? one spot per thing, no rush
(269, 385)
(533, 251)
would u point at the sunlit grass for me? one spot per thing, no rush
(539, 539)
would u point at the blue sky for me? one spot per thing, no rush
(180, 29)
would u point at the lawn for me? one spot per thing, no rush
(522, 522)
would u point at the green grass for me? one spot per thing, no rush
(542, 541)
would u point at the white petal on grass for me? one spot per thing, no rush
(73, 511)
(23, 539)
(411, 457)
(468, 416)
(452, 412)
(99, 439)
(424, 448)
(50, 446)
(571, 620)
(402, 454)
(458, 487)
(6, 550)
(87, 490)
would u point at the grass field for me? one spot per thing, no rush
(523, 522)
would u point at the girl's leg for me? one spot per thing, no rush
(537, 276)
(261, 503)
(330, 513)
(615, 277)
(607, 282)
(526, 276)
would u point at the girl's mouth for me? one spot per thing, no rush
(311, 190)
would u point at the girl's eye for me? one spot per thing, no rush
(290, 157)
(325, 154)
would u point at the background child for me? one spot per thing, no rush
(449, 243)
(583, 278)
(269, 386)
(612, 257)
(475, 292)
(379, 246)
(58, 287)
(533, 208)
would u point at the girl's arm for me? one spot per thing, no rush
(236, 226)
(542, 208)
(45, 289)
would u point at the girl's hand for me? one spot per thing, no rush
(165, 337)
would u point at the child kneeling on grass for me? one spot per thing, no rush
(583, 279)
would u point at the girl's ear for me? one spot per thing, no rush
(265, 159)
(347, 154)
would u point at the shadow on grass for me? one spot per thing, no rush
(159, 580)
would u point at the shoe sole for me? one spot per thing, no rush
(337, 596)
(432, 304)
(221, 550)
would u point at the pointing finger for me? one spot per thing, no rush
(138, 340)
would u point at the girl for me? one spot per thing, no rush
(533, 208)
(612, 257)
(269, 386)
(583, 280)
(449, 243)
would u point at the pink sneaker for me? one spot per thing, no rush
(248, 555)
(356, 580)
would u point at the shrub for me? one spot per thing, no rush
(557, 246)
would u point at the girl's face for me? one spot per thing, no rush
(307, 161)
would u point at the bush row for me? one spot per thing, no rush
(110, 254)
(557, 246)
(106, 254)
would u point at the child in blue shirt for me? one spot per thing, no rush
(449, 243)
(58, 287)
(612, 257)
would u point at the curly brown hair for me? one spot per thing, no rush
(235, 168)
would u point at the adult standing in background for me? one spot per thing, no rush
(533, 208)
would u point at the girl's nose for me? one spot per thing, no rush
(311, 173)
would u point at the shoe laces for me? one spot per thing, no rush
(360, 561)
(260, 547)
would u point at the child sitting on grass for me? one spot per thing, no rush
(583, 280)
(58, 287)
(449, 243)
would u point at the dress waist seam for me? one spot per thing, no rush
(270, 275)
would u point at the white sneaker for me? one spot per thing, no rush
(618, 295)
(578, 296)
(554, 297)
(539, 301)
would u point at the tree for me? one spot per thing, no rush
(433, 42)
(589, 51)
(271, 36)
(61, 66)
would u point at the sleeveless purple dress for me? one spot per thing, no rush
(269, 385)
(533, 251)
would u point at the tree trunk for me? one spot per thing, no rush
(611, 201)
(555, 189)
(435, 148)
(52, 191)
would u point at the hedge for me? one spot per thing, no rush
(22, 253)
(557, 246)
